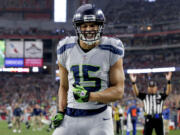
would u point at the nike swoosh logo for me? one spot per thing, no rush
(106, 118)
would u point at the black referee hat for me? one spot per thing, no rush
(152, 83)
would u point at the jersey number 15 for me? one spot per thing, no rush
(81, 73)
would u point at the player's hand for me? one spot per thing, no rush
(168, 76)
(132, 77)
(81, 95)
(57, 119)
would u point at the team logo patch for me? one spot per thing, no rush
(82, 93)
(106, 118)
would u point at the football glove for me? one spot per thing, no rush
(57, 119)
(81, 95)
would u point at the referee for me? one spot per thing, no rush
(153, 104)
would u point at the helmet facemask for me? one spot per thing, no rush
(89, 37)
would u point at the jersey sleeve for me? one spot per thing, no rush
(141, 96)
(164, 96)
(61, 55)
(117, 51)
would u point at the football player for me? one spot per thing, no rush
(91, 76)
(17, 113)
(9, 115)
(37, 114)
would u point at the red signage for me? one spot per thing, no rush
(33, 62)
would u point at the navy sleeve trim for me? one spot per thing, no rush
(111, 49)
(65, 47)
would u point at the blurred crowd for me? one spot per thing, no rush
(27, 89)
(137, 12)
(152, 58)
(132, 16)
(33, 31)
(24, 4)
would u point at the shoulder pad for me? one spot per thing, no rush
(67, 40)
(112, 41)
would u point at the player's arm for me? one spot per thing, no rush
(134, 86)
(62, 93)
(116, 91)
(169, 86)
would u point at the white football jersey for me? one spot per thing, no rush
(89, 69)
(10, 111)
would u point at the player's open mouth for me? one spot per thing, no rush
(89, 35)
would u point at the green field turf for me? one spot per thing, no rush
(5, 131)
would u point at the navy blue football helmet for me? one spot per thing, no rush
(89, 13)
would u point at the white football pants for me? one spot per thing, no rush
(99, 124)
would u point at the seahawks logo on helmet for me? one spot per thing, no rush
(88, 13)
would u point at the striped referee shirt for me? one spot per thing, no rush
(153, 103)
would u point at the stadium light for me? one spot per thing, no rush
(60, 10)
(156, 70)
(35, 69)
(138, 71)
(151, 70)
(44, 67)
(149, 28)
(151, 0)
